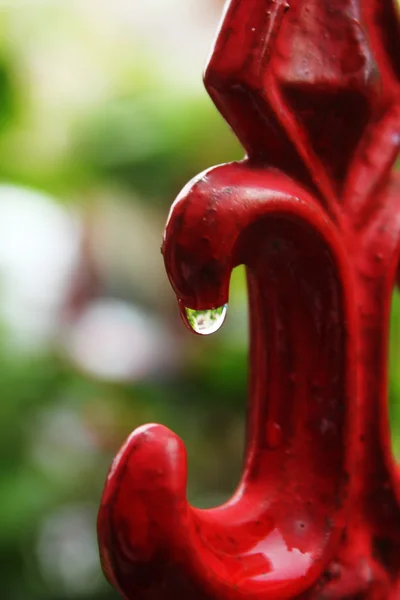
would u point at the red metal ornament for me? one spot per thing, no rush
(311, 88)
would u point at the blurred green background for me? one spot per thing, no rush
(103, 118)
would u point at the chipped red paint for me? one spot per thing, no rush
(311, 88)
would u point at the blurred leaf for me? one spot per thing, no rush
(154, 144)
(8, 99)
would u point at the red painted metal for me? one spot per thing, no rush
(311, 88)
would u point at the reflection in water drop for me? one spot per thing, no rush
(204, 322)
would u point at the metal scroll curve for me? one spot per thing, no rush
(277, 534)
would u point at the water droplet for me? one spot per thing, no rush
(204, 322)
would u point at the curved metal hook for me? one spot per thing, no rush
(276, 534)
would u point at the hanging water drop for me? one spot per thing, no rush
(204, 322)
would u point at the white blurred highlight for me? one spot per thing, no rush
(39, 249)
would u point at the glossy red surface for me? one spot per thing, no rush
(311, 88)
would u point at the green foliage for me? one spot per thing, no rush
(154, 143)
